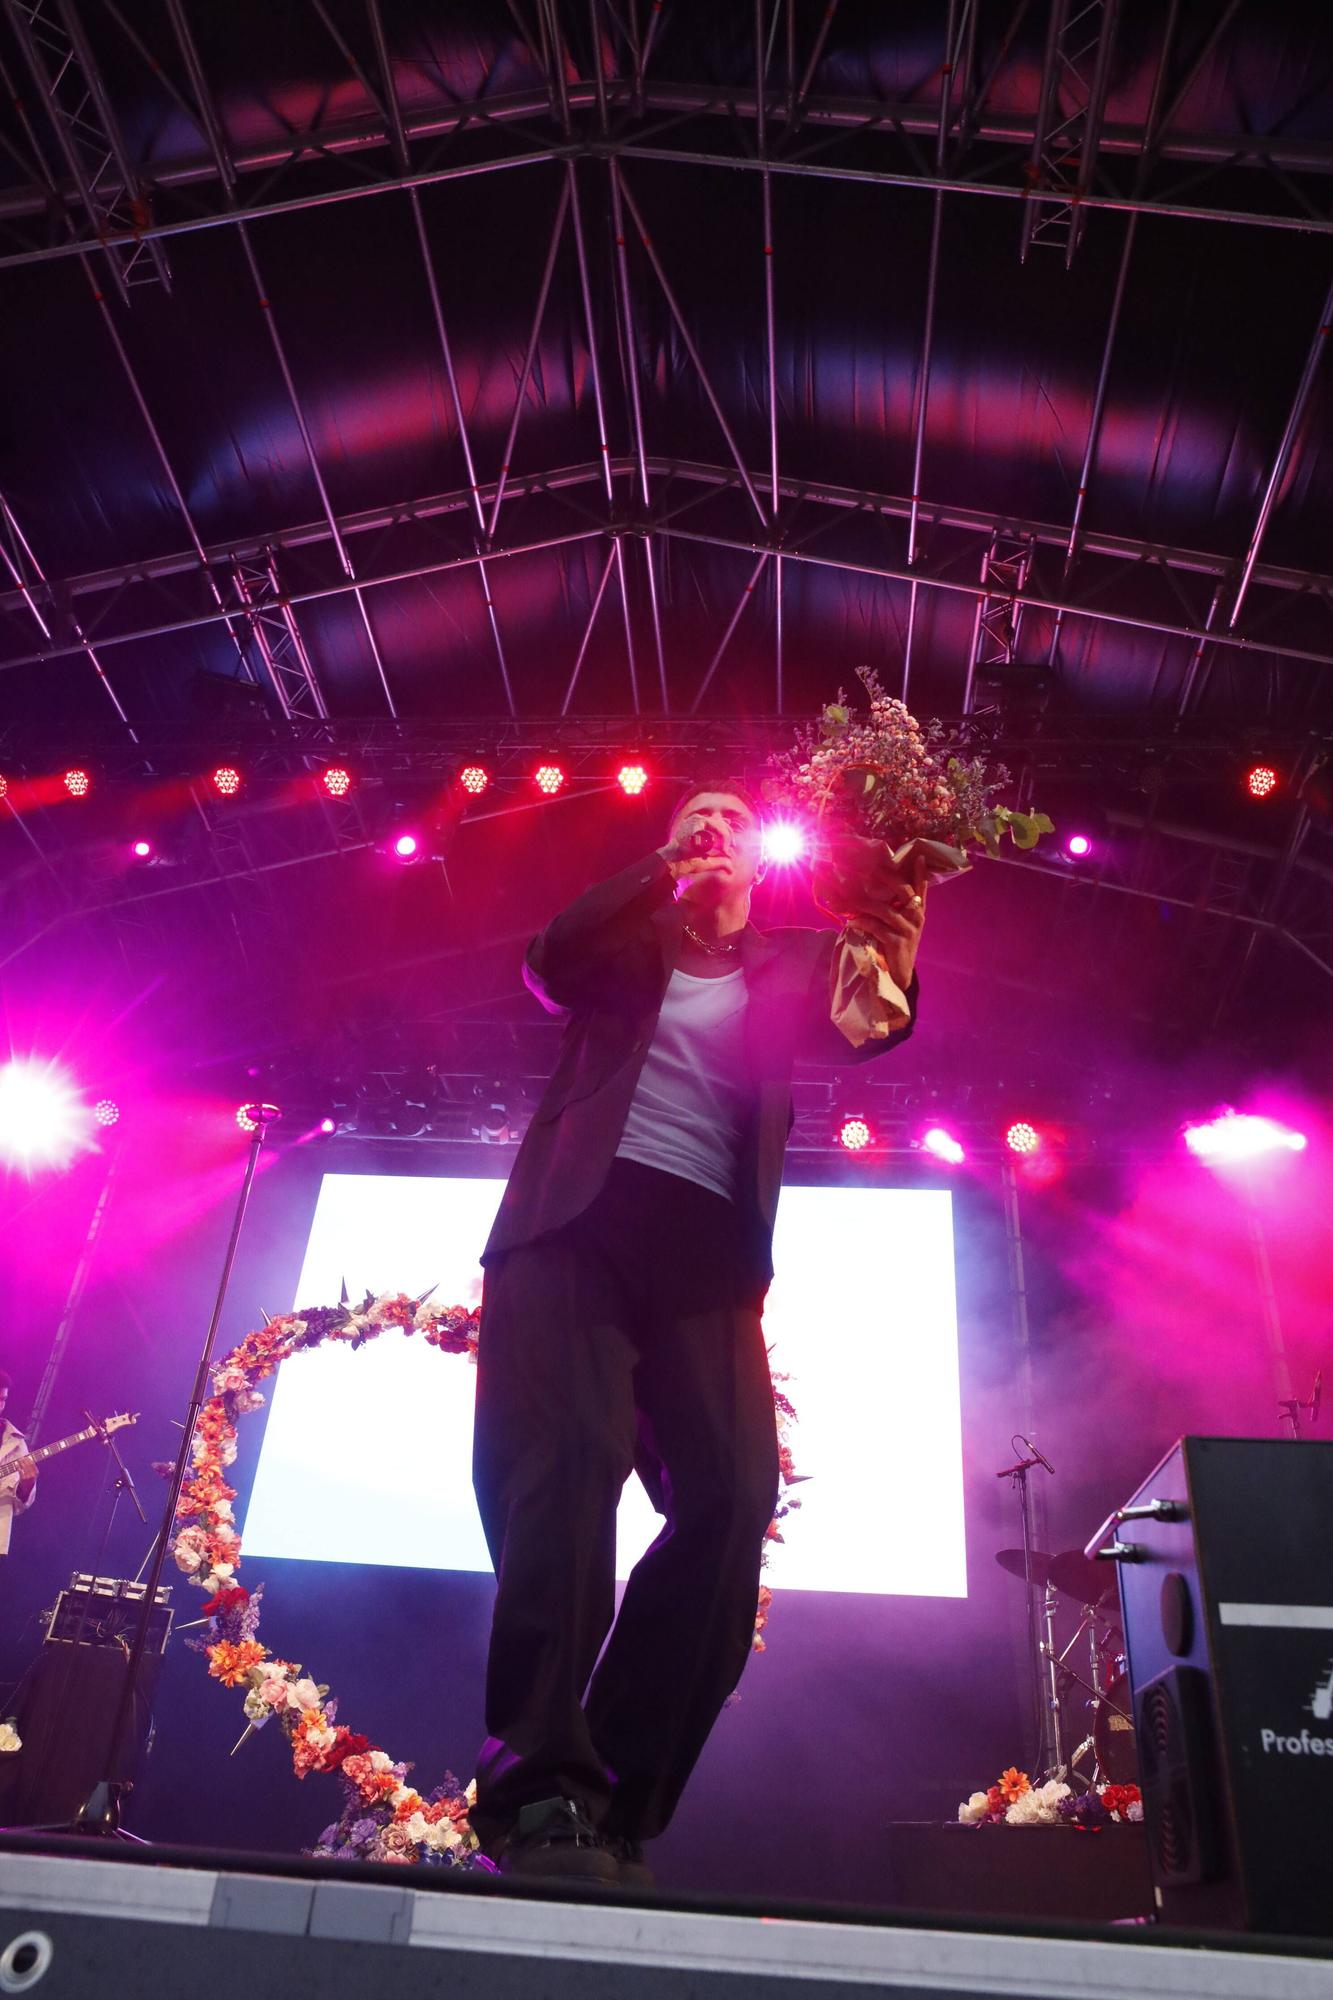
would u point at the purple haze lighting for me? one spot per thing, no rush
(43, 1119)
(405, 846)
(1078, 845)
(1239, 1135)
(942, 1146)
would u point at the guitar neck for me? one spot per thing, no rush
(46, 1450)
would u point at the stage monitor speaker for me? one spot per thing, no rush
(1226, 1587)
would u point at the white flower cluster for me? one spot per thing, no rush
(974, 1810)
(1038, 1807)
(9, 1738)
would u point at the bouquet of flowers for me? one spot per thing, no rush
(892, 809)
(889, 778)
(1015, 1801)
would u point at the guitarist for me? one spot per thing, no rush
(15, 1498)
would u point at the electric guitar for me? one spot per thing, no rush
(11, 1464)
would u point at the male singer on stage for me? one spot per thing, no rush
(625, 1277)
(18, 1488)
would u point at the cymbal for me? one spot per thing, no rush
(1071, 1573)
(1015, 1562)
(1075, 1575)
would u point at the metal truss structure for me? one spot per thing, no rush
(605, 113)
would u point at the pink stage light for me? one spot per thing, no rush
(1022, 1137)
(632, 779)
(328, 1126)
(77, 782)
(942, 1146)
(783, 842)
(1239, 1135)
(548, 778)
(337, 781)
(106, 1111)
(1078, 845)
(855, 1133)
(227, 780)
(474, 778)
(405, 846)
(43, 1118)
(142, 850)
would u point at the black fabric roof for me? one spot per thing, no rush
(410, 369)
(1215, 325)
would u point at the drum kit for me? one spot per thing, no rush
(1088, 1672)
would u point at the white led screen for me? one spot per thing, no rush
(366, 1456)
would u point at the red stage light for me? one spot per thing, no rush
(4, 786)
(77, 782)
(549, 778)
(474, 778)
(1262, 781)
(855, 1133)
(227, 780)
(107, 1112)
(1022, 1137)
(631, 779)
(337, 781)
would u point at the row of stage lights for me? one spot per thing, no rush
(633, 777)
(46, 1120)
(1229, 1138)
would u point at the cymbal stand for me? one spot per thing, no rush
(1049, 1759)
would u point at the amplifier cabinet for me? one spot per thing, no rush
(1226, 1587)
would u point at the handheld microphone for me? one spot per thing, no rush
(704, 840)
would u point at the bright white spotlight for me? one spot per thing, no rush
(44, 1121)
(783, 842)
(942, 1146)
(1240, 1135)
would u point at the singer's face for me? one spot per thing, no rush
(740, 837)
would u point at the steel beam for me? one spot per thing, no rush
(279, 641)
(837, 503)
(280, 355)
(1075, 74)
(130, 240)
(29, 579)
(952, 41)
(66, 77)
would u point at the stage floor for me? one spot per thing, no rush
(158, 1922)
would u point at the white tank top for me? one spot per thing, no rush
(692, 1099)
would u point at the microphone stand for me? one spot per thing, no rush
(100, 1812)
(1049, 1760)
(124, 1482)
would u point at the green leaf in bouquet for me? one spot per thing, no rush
(836, 716)
(1026, 829)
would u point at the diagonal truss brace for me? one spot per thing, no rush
(65, 74)
(277, 639)
(1069, 121)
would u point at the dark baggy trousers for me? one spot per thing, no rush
(628, 1341)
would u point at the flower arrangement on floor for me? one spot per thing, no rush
(9, 1738)
(890, 778)
(384, 1818)
(1015, 1801)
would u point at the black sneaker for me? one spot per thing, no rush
(554, 1841)
(634, 1870)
